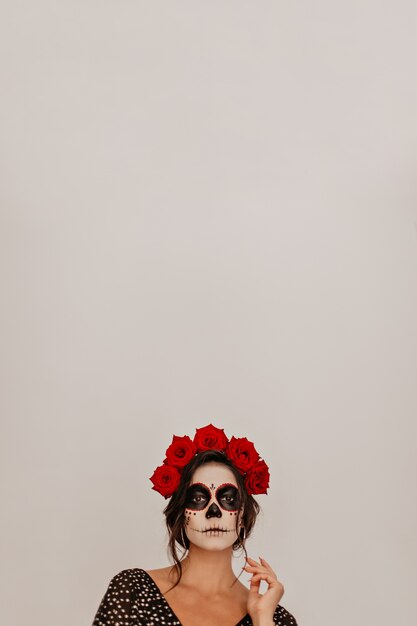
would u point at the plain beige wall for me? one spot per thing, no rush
(208, 213)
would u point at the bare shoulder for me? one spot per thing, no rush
(161, 576)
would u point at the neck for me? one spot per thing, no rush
(210, 572)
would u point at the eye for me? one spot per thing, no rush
(228, 497)
(197, 497)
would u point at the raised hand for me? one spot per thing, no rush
(261, 607)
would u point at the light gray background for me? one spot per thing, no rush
(208, 213)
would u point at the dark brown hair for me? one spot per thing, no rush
(175, 510)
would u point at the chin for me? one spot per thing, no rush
(212, 544)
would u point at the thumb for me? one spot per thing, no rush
(254, 585)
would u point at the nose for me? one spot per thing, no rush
(213, 511)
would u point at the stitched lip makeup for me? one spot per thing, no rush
(213, 529)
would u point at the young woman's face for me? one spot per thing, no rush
(212, 505)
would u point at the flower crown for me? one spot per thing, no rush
(242, 453)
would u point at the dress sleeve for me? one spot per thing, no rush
(284, 617)
(117, 605)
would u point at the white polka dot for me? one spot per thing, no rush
(133, 599)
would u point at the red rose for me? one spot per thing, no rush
(243, 453)
(257, 479)
(210, 438)
(180, 452)
(166, 479)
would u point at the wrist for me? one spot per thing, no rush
(263, 621)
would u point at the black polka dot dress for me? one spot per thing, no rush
(134, 599)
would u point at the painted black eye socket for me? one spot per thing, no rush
(228, 497)
(197, 497)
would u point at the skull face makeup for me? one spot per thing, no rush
(212, 505)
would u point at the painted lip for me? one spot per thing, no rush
(214, 529)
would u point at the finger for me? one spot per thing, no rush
(274, 585)
(258, 567)
(256, 570)
(253, 563)
(266, 577)
(266, 564)
(254, 585)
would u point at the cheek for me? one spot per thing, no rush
(239, 515)
(193, 516)
(232, 515)
(196, 518)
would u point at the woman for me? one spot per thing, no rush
(210, 481)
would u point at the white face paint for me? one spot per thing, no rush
(211, 508)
